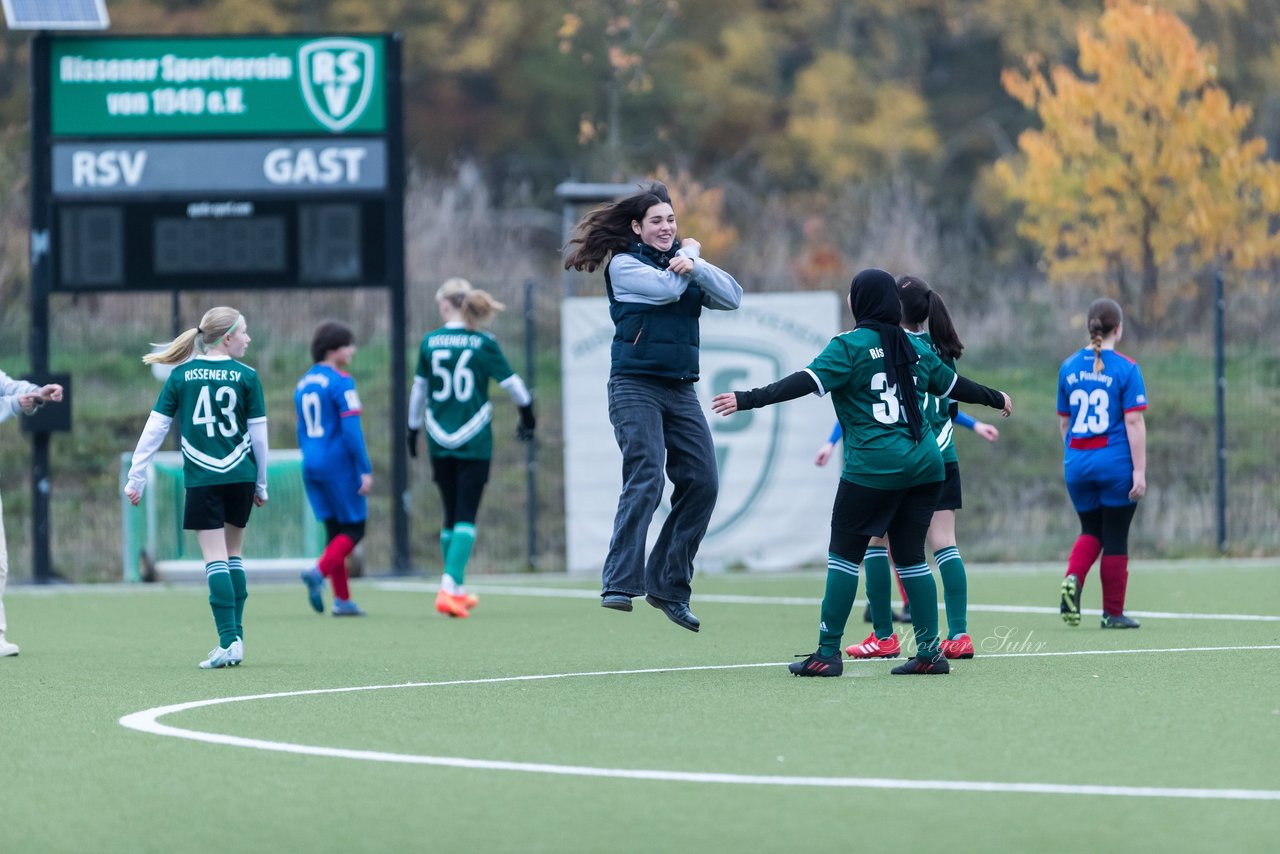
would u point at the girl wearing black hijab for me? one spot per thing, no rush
(893, 469)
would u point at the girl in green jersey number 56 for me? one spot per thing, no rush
(450, 397)
(217, 402)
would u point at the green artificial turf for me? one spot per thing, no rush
(1030, 708)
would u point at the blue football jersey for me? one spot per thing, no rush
(329, 431)
(1096, 403)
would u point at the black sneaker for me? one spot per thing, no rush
(1070, 601)
(928, 665)
(904, 616)
(1119, 621)
(817, 665)
(866, 614)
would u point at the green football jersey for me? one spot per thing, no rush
(213, 399)
(878, 449)
(458, 364)
(937, 410)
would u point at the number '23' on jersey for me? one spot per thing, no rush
(1095, 402)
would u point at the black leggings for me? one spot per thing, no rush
(354, 530)
(1110, 525)
(461, 483)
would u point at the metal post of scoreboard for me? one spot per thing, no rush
(400, 562)
(41, 270)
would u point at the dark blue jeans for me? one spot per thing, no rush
(659, 423)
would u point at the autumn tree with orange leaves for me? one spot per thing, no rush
(1138, 168)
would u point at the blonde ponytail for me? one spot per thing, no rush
(214, 326)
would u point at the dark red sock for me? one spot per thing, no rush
(906, 603)
(1083, 554)
(1115, 578)
(333, 564)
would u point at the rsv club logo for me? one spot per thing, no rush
(337, 80)
(747, 443)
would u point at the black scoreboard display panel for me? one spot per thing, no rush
(227, 244)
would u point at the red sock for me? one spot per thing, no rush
(906, 603)
(333, 564)
(1115, 578)
(1083, 554)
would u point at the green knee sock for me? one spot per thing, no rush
(445, 536)
(455, 561)
(955, 590)
(240, 586)
(837, 602)
(875, 566)
(922, 592)
(222, 600)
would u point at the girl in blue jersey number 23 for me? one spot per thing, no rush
(1101, 398)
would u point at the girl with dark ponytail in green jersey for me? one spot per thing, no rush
(893, 470)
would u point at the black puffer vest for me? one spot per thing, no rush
(655, 340)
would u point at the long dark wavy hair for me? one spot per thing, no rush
(607, 229)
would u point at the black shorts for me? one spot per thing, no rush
(950, 497)
(209, 508)
(904, 515)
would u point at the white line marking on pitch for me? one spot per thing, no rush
(806, 601)
(148, 721)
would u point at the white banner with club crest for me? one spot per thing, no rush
(774, 508)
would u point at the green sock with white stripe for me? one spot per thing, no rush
(455, 562)
(837, 602)
(955, 590)
(922, 592)
(240, 587)
(222, 600)
(875, 566)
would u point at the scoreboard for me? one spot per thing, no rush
(223, 162)
(216, 162)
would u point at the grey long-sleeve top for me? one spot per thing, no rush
(10, 389)
(635, 281)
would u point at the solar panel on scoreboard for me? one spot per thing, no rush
(56, 14)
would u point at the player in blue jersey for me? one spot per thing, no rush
(1101, 398)
(335, 465)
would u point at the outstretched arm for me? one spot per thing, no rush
(967, 391)
(788, 388)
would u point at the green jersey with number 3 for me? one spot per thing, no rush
(214, 399)
(458, 364)
(878, 449)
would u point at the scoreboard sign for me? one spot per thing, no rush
(198, 163)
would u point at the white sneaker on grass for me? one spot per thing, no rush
(235, 652)
(7, 648)
(218, 657)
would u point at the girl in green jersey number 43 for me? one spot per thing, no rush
(217, 402)
(893, 471)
